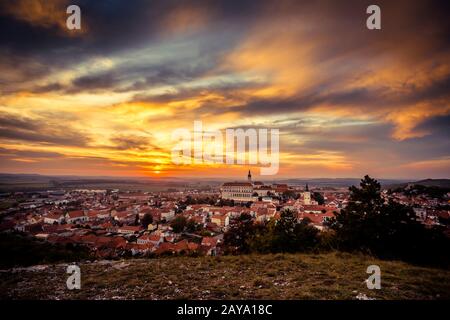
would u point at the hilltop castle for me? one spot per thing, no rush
(249, 190)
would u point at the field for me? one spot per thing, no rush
(281, 276)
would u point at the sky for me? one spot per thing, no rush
(106, 99)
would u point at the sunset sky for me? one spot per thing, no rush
(105, 100)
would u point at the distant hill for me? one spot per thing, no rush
(440, 183)
(35, 182)
(337, 182)
(443, 183)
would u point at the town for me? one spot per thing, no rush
(116, 223)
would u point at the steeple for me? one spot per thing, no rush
(307, 189)
(249, 176)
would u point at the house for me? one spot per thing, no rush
(264, 214)
(109, 227)
(124, 216)
(53, 218)
(76, 217)
(200, 219)
(185, 246)
(129, 229)
(92, 215)
(103, 214)
(317, 219)
(198, 207)
(209, 241)
(150, 238)
(170, 238)
(167, 215)
(220, 220)
(165, 247)
(311, 208)
(50, 228)
(102, 242)
(213, 227)
(137, 248)
(117, 243)
(156, 239)
(89, 239)
(97, 214)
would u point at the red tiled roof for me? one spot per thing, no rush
(237, 184)
(145, 237)
(131, 228)
(313, 207)
(92, 213)
(76, 214)
(54, 216)
(165, 247)
(209, 241)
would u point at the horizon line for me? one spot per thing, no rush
(213, 177)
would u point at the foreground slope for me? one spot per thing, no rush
(280, 276)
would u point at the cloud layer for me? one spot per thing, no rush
(347, 100)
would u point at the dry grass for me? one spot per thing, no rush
(280, 276)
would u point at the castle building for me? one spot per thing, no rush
(238, 191)
(250, 191)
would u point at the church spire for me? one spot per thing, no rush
(249, 176)
(307, 188)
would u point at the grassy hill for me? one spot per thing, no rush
(281, 276)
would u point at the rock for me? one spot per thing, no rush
(363, 296)
(120, 265)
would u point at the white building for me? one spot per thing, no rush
(53, 218)
(76, 217)
(221, 220)
(168, 215)
(237, 191)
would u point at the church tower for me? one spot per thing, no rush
(249, 177)
(307, 196)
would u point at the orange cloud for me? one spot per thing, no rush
(42, 13)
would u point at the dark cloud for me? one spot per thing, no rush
(362, 98)
(438, 125)
(12, 122)
(10, 153)
(227, 90)
(52, 87)
(414, 35)
(39, 131)
(116, 26)
(141, 77)
(112, 26)
(130, 142)
(437, 89)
